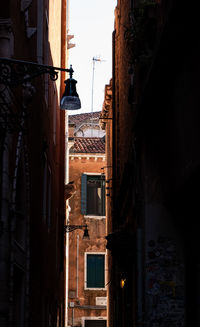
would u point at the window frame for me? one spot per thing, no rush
(85, 271)
(82, 200)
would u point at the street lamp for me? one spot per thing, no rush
(70, 99)
(70, 228)
(17, 72)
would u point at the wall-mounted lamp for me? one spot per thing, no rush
(122, 282)
(70, 228)
(15, 72)
(70, 99)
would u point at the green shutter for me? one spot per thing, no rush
(91, 271)
(84, 194)
(95, 271)
(100, 271)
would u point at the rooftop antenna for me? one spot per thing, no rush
(94, 59)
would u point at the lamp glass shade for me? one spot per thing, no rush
(70, 103)
(70, 99)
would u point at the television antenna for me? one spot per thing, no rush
(94, 59)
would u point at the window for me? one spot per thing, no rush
(93, 195)
(95, 270)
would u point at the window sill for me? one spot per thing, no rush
(94, 217)
(95, 289)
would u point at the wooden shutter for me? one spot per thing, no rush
(84, 194)
(91, 269)
(100, 270)
(95, 271)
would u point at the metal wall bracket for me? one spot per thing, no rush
(16, 72)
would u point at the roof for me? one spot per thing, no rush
(88, 145)
(85, 117)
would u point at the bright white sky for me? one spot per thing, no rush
(92, 23)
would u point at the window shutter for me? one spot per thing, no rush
(100, 270)
(95, 271)
(91, 260)
(84, 194)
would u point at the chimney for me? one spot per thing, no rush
(71, 128)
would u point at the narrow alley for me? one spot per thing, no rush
(99, 222)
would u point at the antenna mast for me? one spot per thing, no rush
(94, 59)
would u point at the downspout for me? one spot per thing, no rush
(77, 257)
(66, 275)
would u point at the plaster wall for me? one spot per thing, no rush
(84, 299)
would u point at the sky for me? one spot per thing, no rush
(92, 23)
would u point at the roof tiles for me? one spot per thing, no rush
(88, 145)
(78, 119)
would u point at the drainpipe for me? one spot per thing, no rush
(66, 278)
(73, 317)
(77, 255)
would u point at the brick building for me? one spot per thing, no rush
(87, 257)
(152, 117)
(32, 145)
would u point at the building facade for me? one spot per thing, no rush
(154, 153)
(32, 146)
(87, 261)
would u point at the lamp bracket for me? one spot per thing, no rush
(15, 72)
(71, 228)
